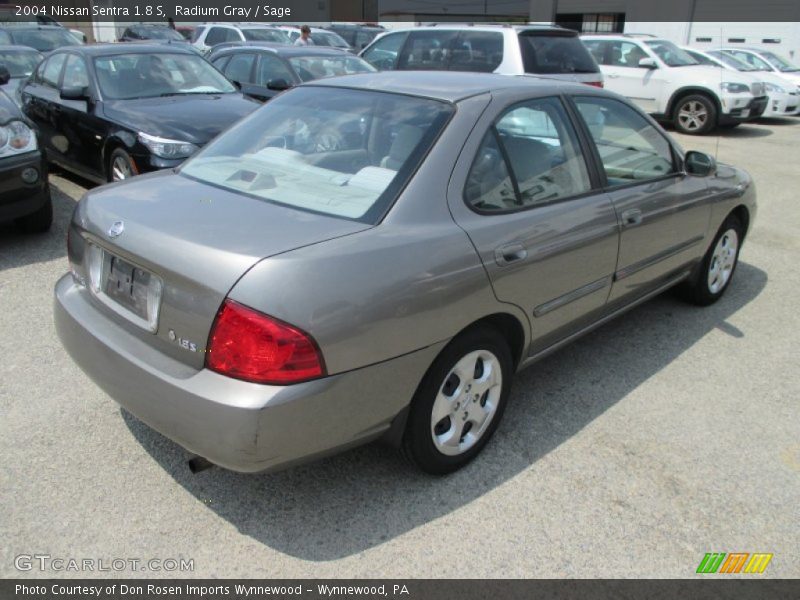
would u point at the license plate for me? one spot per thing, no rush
(129, 290)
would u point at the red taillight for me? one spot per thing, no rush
(250, 345)
(595, 83)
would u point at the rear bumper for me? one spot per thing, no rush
(238, 425)
(18, 198)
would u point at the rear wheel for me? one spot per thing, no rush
(460, 402)
(715, 272)
(695, 114)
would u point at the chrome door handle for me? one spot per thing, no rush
(505, 255)
(612, 75)
(632, 217)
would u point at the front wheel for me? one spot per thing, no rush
(120, 166)
(716, 270)
(460, 402)
(695, 115)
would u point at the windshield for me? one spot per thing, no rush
(340, 152)
(328, 38)
(266, 35)
(127, 76)
(729, 60)
(43, 40)
(549, 54)
(20, 63)
(780, 63)
(161, 33)
(317, 67)
(671, 54)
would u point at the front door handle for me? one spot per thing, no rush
(631, 217)
(505, 255)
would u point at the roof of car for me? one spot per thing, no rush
(145, 47)
(449, 86)
(491, 27)
(286, 50)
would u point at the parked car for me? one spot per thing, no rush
(19, 61)
(139, 32)
(110, 111)
(357, 35)
(24, 190)
(243, 306)
(768, 62)
(320, 37)
(782, 99)
(10, 18)
(209, 35)
(42, 38)
(672, 86)
(262, 71)
(541, 50)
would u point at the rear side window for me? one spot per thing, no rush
(555, 54)
(631, 149)
(383, 54)
(529, 157)
(427, 51)
(480, 51)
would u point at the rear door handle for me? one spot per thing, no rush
(632, 217)
(505, 255)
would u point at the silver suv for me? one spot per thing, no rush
(542, 50)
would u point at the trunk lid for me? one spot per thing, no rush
(197, 239)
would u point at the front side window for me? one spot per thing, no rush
(427, 51)
(339, 152)
(126, 76)
(75, 75)
(631, 148)
(670, 54)
(52, 70)
(272, 68)
(240, 67)
(529, 157)
(383, 53)
(555, 54)
(625, 54)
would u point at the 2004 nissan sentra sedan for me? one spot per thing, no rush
(374, 256)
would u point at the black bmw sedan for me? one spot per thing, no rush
(110, 111)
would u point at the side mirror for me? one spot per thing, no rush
(278, 85)
(700, 164)
(74, 93)
(648, 63)
(5, 76)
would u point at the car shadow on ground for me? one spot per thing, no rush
(18, 249)
(348, 503)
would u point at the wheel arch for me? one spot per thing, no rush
(742, 213)
(119, 139)
(688, 90)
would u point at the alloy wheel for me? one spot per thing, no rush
(723, 260)
(120, 169)
(693, 115)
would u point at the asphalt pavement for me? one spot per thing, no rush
(669, 433)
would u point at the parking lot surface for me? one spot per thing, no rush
(668, 433)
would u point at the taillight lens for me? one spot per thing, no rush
(250, 345)
(595, 83)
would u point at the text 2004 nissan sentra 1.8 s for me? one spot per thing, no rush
(376, 255)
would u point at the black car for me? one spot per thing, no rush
(356, 34)
(109, 111)
(24, 191)
(264, 70)
(20, 61)
(137, 33)
(43, 38)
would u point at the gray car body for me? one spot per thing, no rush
(381, 301)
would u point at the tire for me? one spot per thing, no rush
(471, 405)
(39, 221)
(120, 166)
(715, 272)
(695, 114)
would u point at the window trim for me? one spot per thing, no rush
(677, 161)
(594, 182)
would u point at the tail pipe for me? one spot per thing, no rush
(199, 463)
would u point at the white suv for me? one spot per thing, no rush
(208, 35)
(671, 85)
(767, 61)
(542, 50)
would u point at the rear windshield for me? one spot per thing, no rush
(43, 40)
(340, 152)
(550, 54)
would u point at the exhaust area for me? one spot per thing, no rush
(198, 463)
